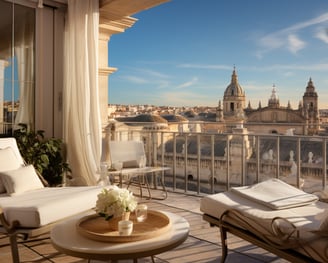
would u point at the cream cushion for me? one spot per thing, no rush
(11, 142)
(275, 194)
(309, 219)
(126, 151)
(8, 161)
(130, 164)
(40, 207)
(21, 180)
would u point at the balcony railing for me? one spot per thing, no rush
(203, 163)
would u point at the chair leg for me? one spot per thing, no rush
(14, 248)
(224, 243)
(140, 185)
(147, 185)
(162, 185)
(12, 234)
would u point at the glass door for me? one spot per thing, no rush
(17, 69)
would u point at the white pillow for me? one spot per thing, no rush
(21, 180)
(130, 164)
(8, 161)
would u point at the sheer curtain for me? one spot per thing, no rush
(82, 125)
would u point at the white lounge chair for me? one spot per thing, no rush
(273, 215)
(29, 209)
(131, 155)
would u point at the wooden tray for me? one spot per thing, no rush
(97, 228)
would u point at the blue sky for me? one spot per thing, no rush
(182, 53)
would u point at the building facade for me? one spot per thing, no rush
(272, 118)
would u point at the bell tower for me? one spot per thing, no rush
(310, 109)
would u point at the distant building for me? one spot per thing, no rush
(232, 113)
(272, 118)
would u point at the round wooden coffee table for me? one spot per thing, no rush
(66, 239)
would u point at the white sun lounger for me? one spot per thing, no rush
(28, 208)
(273, 215)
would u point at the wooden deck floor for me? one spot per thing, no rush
(202, 245)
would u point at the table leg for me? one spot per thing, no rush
(161, 181)
(121, 179)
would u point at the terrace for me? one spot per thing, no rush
(246, 159)
(200, 163)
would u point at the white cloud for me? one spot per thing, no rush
(287, 37)
(322, 34)
(204, 66)
(320, 67)
(153, 73)
(288, 74)
(136, 80)
(188, 83)
(314, 21)
(295, 44)
(272, 41)
(162, 84)
(183, 98)
(141, 76)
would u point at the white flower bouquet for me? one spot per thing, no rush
(114, 202)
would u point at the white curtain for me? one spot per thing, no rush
(82, 125)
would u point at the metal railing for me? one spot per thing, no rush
(203, 163)
(6, 129)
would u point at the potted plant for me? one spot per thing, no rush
(45, 154)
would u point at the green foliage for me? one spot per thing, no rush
(44, 154)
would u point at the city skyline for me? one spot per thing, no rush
(182, 53)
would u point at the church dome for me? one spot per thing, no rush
(174, 118)
(234, 89)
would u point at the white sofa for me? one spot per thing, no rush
(27, 207)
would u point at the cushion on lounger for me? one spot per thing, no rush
(21, 180)
(40, 207)
(275, 194)
(8, 161)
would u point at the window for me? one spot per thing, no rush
(232, 106)
(17, 78)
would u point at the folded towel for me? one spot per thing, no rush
(275, 194)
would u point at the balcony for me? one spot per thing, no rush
(203, 164)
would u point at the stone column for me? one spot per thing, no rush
(109, 24)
